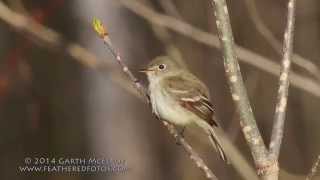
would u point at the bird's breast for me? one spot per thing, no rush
(167, 107)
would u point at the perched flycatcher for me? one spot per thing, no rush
(181, 98)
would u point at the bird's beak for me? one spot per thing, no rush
(145, 70)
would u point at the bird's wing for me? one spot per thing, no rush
(192, 95)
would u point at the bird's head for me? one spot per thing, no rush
(159, 67)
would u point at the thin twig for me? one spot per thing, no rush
(280, 111)
(314, 169)
(302, 82)
(239, 93)
(275, 43)
(192, 154)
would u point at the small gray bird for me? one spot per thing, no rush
(180, 98)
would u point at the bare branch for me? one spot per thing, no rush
(265, 161)
(192, 154)
(275, 43)
(239, 93)
(280, 111)
(245, 55)
(251, 83)
(314, 169)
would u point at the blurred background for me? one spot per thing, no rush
(63, 95)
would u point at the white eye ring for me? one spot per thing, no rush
(162, 66)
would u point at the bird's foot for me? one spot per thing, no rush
(181, 134)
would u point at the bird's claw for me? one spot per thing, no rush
(180, 134)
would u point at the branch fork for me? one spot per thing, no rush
(266, 159)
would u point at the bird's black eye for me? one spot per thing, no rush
(162, 66)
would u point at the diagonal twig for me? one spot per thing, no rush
(314, 169)
(280, 111)
(192, 154)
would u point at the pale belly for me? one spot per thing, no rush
(168, 109)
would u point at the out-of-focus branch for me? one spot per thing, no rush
(164, 35)
(280, 111)
(246, 56)
(52, 40)
(192, 154)
(17, 5)
(170, 8)
(314, 169)
(48, 38)
(238, 91)
(45, 37)
(275, 43)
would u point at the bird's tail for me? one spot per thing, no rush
(214, 139)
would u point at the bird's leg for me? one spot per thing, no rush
(181, 131)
